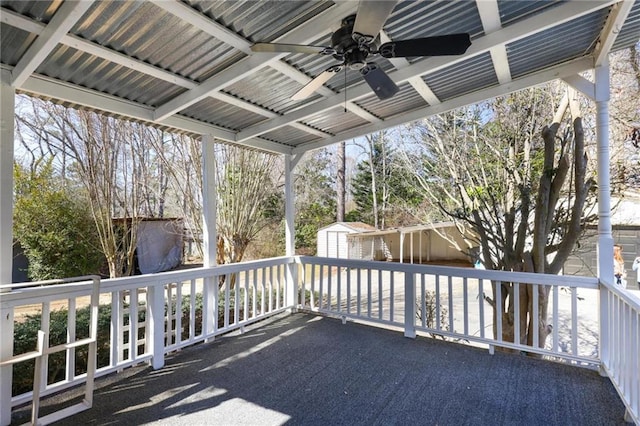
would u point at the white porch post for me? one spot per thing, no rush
(289, 232)
(605, 238)
(7, 112)
(209, 235)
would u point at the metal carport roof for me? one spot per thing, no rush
(188, 65)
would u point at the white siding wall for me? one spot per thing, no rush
(332, 241)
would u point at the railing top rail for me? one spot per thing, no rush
(21, 293)
(49, 282)
(521, 277)
(631, 299)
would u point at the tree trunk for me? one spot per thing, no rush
(341, 182)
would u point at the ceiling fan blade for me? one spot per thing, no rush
(379, 81)
(316, 83)
(452, 44)
(371, 17)
(292, 48)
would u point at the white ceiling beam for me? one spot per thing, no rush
(417, 83)
(309, 129)
(582, 85)
(547, 19)
(612, 27)
(490, 18)
(561, 71)
(307, 33)
(198, 20)
(65, 17)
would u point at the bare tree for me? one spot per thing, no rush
(107, 156)
(248, 195)
(524, 189)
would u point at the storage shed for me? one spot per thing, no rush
(332, 239)
(427, 243)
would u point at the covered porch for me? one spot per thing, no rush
(111, 57)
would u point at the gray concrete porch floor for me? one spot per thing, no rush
(304, 369)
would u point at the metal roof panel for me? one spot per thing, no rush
(464, 77)
(407, 99)
(222, 114)
(556, 44)
(290, 136)
(335, 120)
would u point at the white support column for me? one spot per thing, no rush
(209, 196)
(605, 238)
(209, 235)
(289, 232)
(289, 209)
(7, 112)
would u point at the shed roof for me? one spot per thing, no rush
(404, 229)
(354, 226)
(188, 65)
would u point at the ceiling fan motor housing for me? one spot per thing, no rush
(347, 49)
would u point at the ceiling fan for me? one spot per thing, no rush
(357, 40)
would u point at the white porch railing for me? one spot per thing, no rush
(591, 323)
(155, 314)
(151, 315)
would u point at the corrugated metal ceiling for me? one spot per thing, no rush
(187, 65)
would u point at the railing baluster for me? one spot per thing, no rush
(391, 293)
(450, 296)
(329, 285)
(312, 301)
(369, 295)
(574, 320)
(380, 294)
(339, 290)
(172, 312)
(536, 315)
(321, 290)
(359, 292)
(481, 305)
(465, 300)
(556, 327)
(71, 337)
(178, 313)
(254, 293)
(423, 299)
(227, 296)
(263, 294)
(348, 271)
(192, 310)
(270, 285)
(115, 328)
(133, 323)
(277, 283)
(437, 318)
(245, 303)
(516, 313)
(498, 315)
(45, 325)
(236, 297)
